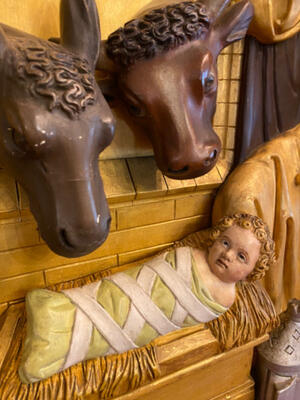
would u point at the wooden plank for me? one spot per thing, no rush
(176, 186)
(209, 181)
(137, 255)
(186, 351)
(78, 270)
(17, 287)
(8, 196)
(196, 204)
(241, 392)
(147, 178)
(145, 214)
(117, 182)
(204, 380)
(223, 167)
(130, 140)
(16, 235)
(8, 329)
(39, 258)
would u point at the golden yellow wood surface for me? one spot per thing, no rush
(77, 270)
(266, 185)
(148, 180)
(17, 287)
(137, 255)
(146, 214)
(117, 182)
(275, 20)
(8, 196)
(211, 379)
(41, 18)
(199, 203)
(210, 180)
(176, 355)
(190, 363)
(139, 227)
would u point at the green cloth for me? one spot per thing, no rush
(51, 316)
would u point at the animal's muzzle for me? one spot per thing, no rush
(193, 164)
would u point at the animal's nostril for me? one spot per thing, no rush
(211, 158)
(64, 238)
(213, 154)
(178, 171)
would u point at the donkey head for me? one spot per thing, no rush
(166, 64)
(54, 122)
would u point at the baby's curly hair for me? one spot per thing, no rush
(262, 233)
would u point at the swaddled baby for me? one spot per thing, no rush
(179, 288)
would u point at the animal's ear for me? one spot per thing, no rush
(80, 28)
(3, 42)
(104, 62)
(231, 25)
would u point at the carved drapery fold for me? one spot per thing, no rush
(275, 20)
(269, 95)
(267, 185)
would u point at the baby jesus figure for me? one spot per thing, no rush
(179, 288)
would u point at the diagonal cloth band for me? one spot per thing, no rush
(152, 314)
(82, 330)
(184, 295)
(104, 323)
(184, 270)
(135, 320)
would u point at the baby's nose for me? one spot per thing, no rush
(229, 254)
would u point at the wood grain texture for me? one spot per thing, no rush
(116, 180)
(146, 214)
(8, 196)
(134, 257)
(40, 257)
(148, 180)
(178, 186)
(77, 270)
(17, 287)
(204, 380)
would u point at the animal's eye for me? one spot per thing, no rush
(135, 110)
(209, 83)
(242, 257)
(19, 140)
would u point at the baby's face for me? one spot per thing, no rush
(234, 254)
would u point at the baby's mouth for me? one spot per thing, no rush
(222, 263)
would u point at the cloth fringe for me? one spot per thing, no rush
(252, 315)
(107, 376)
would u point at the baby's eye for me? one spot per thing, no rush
(225, 243)
(242, 257)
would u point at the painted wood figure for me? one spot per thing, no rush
(54, 122)
(179, 288)
(166, 67)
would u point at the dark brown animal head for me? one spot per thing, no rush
(54, 123)
(167, 74)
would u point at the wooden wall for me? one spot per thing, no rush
(149, 211)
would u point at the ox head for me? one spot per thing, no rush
(54, 122)
(166, 64)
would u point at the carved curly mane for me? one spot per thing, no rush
(50, 71)
(158, 31)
